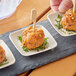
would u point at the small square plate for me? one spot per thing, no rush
(51, 17)
(14, 38)
(9, 56)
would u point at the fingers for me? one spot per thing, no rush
(65, 5)
(55, 4)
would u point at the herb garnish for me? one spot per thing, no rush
(25, 49)
(4, 62)
(20, 38)
(43, 46)
(59, 22)
(71, 31)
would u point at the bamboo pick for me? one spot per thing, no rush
(33, 17)
(74, 5)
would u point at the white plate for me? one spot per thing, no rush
(7, 11)
(14, 38)
(9, 56)
(51, 17)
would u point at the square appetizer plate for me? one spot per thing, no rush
(14, 38)
(52, 19)
(9, 56)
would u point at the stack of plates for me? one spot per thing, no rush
(8, 7)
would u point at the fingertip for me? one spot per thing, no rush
(55, 8)
(61, 10)
(55, 4)
(65, 5)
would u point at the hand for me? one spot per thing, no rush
(61, 5)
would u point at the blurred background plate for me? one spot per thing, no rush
(8, 7)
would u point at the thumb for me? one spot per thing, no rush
(65, 5)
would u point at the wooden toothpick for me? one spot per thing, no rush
(33, 17)
(74, 5)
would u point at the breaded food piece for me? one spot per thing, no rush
(2, 54)
(31, 39)
(69, 20)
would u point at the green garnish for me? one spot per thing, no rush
(25, 49)
(71, 31)
(68, 30)
(59, 22)
(60, 17)
(43, 46)
(45, 39)
(4, 62)
(20, 38)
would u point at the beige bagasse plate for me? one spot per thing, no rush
(14, 38)
(9, 56)
(51, 17)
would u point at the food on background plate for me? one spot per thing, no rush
(68, 20)
(2, 56)
(33, 40)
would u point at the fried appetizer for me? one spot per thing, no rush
(69, 20)
(2, 54)
(31, 39)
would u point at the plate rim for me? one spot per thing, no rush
(14, 60)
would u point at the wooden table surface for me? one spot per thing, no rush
(21, 18)
(63, 67)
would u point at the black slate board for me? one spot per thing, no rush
(66, 46)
